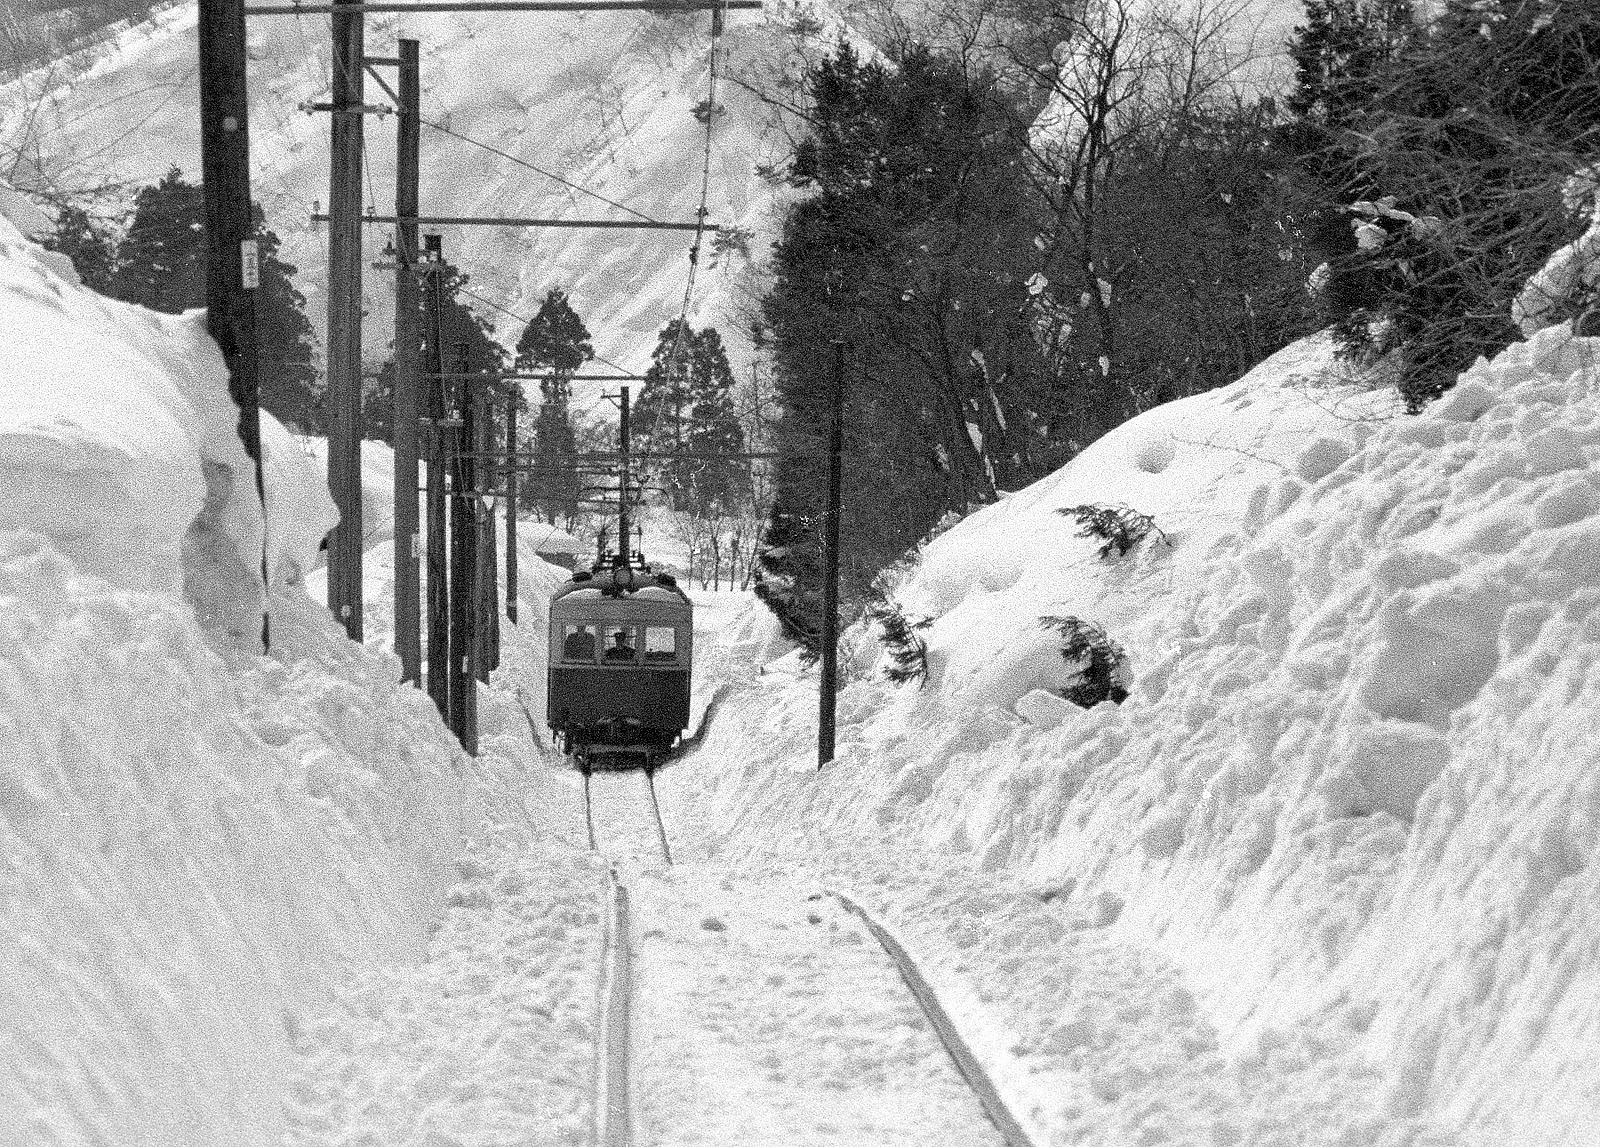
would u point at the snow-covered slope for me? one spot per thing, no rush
(1330, 868)
(200, 843)
(604, 100)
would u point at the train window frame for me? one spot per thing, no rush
(610, 630)
(668, 656)
(572, 629)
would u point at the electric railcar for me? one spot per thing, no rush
(621, 643)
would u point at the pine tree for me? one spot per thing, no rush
(555, 341)
(90, 245)
(160, 263)
(463, 333)
(555, 486)
(908, 245)
(660, 412)
(291, 384)
(161, 260)
(712, 481)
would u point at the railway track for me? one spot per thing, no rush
(613, 1102)
(622, 816)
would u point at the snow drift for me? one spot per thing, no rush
(200, 843)
(1350, 802)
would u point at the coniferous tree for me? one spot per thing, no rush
(661, 410)
(910, 247)
(161, 260)
(555, 341)
(711, 480)
(89, 243)
(160, 263)
(291, 384)
(462, 333)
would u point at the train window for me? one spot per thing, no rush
(621, 645)
(660, 643)
(578, 643)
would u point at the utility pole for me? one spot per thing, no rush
(488, 599)
(464, 647)
(232, 267)
(438, 561)
(828, 688)
(624, 538)
(344, 320)
(407, 381)
(511, 504)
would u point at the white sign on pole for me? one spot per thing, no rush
(250, 261)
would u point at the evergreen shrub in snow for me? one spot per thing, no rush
(1119, 527)
(1100, 664)
(907, 651)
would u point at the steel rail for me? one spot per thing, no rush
(612, 1107)
(655, 807)
(994, 1107)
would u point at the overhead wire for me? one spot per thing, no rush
(542, 171)
(675, 352)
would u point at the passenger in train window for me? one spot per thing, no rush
(621, 646)
(579, 644)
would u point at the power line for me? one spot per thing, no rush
(540, 170)
(674, 355)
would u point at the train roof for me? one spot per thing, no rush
(624, 582)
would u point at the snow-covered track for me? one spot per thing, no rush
(939, 1019)
(598, 837)
(613, 1125)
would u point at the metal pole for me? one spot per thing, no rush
(828, 689)
(407, 381)
(438, 561)
(344, 324)
(511, 509)
(232, 269)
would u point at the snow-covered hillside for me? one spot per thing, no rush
(1328, 875)
(199, 841)
(603, 99)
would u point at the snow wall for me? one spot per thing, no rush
(1352, 799)
(199, 842)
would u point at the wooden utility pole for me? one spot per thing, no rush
(511, 506)
(828, 688)
(488, 599)
(407, 372)
(624, 538)
(464, 647)
(232, 266)
(438, 561)
(344, 321)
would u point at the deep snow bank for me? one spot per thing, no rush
(200, 843)
(1352, 796)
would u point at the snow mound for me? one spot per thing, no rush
(119, 442)
(1349, 802)
(200, 843)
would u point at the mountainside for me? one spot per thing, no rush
(605, 100)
